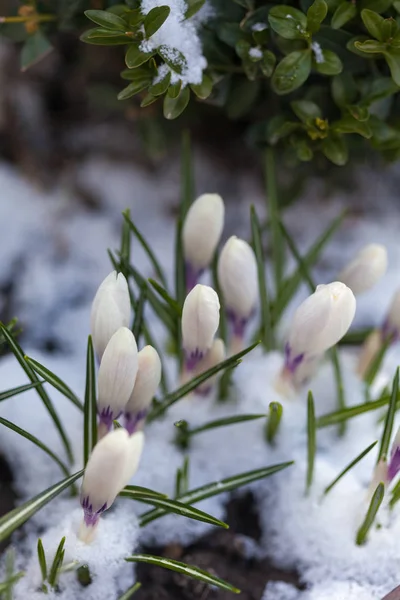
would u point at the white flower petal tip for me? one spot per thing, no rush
(319, 323)
(237, 276)
(147, 381)
(111, 310)
(200, 321)
(117, 375)
(201, 233)
(214, 356)
(366, 269)
(110, 467)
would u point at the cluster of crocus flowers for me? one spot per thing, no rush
(238, 280)
(110, 467)
(201, 233)
(318, 324)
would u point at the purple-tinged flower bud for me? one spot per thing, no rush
(200, 320)
(110, 467)
(366, 269)
(394, 463)
(111, 309)
(117, 375)
(391, 327)
(200, 235)
(214, 356)
(237, 276)
(147, 381)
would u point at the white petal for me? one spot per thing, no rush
(110, 310)
(117, 372)
(340, 318)
(366, 269)
(214, 356)
(202, 230)
(237, 276)
(147, 380)
(200, 318)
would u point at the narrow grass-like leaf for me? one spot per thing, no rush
(173, 304)
(6, 587)
(224, 422)
(388, 428)
(55, 381)
(125, 249)
(138, 489)
(376, 364)
(267, 339)
(42, 560)
(182, 478)
(20, 356)
(19, 390)
(138, 321)
(90, 407)
(273, 421)
(375, 503)
(225, 383)
(311, 440)
(184, 569)
(185, 389)
(223, 327)
(350, 412)
(57, 563)
(18, 516)
(278, 250)
(11, 577)
(217, 487)
(349, 467)
(174, 506)
(337, 372)
(303, 269)
(31, 438)
(395, 495)
(129, 593)
(146, 247)
(180, 285)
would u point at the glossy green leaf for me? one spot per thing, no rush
(155, 18)
(160, 87)
(144, 491)
(330, 65)
(147, 100)
(389, 421)
(381, 87)
(57, 563)
(288, 22)
(392, 58)
(349, 124)
(184, 569)
(19, 390)
(316, 14)
(173, 58)
(17, 517)
(378, 6)
(335, 149)
(306, 110)
(292, 72)
(173, 107)
(42, 560)
(273, 421)
(348, 468)
(36, 47)
(106, 19)
(175, 89)
(361, 113)
(311, 440)
(226, 421)
(268, 62)
(90, 406)
(103, 37)
(193, 7)
(375, 503)
(203, 89)
(350, 412)
(129, 593)
(132, 89)
(346, 11)
(135, 57)
(173, 304)
(139, 74)
(370, 47)
(344, 89)
(55, 381)
(373, 23)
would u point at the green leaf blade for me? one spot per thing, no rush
(155, 18)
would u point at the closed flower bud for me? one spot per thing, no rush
(117, 375)
(366, 269)
(319, 322)
(147, 381)
(214, 356)
(111, 310)
(200, 235)
(110, 467)
(237, 276)
(200, 320)
(391, 326)
(394, 463)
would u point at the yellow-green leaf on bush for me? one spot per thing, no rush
(292, 72)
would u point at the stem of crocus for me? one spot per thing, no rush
(87, 533)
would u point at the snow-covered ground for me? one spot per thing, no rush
(53, 252)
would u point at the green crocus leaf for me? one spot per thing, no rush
(343, 14)
(335, 149)
(315, 15)
(155, 18)
(106, 19)
(173, 107)
(288, 22)
(373, 23)
(306, 110)
(330, 65)
(292, 72)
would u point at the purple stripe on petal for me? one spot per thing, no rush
(91, 518)
(292, 362)
(132, 420)
(192, 276)
(394, 464)
(237, 323)
(193, 358)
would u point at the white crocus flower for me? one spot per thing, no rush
(200, 320)
(366, 269)
(214, 356)
(117, 375)
(237, 277)
(147, 381)
(111, 309)
(200, 235)
(110, 467)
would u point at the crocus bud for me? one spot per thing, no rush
(319, 322)
(380, 475)
(111, 310)
(200, 320)
(147, 381)
(110, 467)
(200, 235)
(365, 270)
(394, 463)
(391, 326)
(117, 375)
(237, 276)
(214, 356)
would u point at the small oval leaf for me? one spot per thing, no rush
(155, 19)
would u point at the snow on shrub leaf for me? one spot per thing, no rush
(288, 22)
(155, 18)
(18, 516)
(106, 19)
(193, 6)
(344, 13)
(36, 47)
(173, 107)
(135, 57)
(173, 58)
(159, 88)
(292, 72)
(315, 15)
(184, 569)
(330, 65)
(55, 381)
(203, 89)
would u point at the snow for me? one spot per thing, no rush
(54, 250)
(255, 53)
(316, 48)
